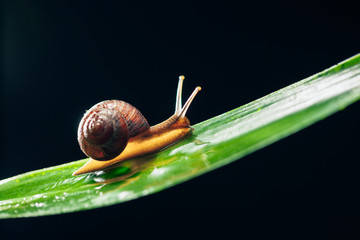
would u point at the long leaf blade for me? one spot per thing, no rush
(215, 142)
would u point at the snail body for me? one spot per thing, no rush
(113, 131)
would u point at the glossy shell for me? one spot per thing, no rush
(105, 129)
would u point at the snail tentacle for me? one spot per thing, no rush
(188, 102)
(178, 104)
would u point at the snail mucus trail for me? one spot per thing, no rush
(109, 136)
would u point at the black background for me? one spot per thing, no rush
(59, 58)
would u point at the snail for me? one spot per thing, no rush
(113, 131)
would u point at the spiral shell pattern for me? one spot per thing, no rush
(105, 129)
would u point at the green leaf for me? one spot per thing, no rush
(214, 143)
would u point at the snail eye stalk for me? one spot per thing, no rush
(179, 109)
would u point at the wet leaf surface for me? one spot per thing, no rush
(214, 143)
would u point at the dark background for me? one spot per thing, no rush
(59, 58)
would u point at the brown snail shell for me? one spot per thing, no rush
(105, 129)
